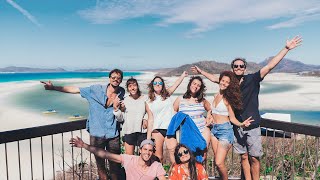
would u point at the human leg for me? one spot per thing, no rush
(101, 163)
(129, 143)
(214, 144)
(255, 168)
(158, 139)
(255, 151)
(245, 165)
(113, 146)
(206, 134)
(129, 149)
(222, 151)
(171, 144)
(240, 147)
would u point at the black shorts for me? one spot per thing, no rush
(134, 139)
(163, 132)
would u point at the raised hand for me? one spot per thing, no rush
(116, 102)
(295, 42)
(77, 142)
(47, 85)
(196, 69)
(247, 122)
(184, 74)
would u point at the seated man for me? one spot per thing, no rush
(142, 167)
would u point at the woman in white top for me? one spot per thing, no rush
(161, 107)
(225, 102)
(195, 105)
(134, 109)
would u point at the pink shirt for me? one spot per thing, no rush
(133, 172)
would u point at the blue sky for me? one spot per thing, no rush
(141, 34)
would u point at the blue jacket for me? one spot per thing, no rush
(190, 134)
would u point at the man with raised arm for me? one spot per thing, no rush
(142, 167)
(248, 140)
(101, 123)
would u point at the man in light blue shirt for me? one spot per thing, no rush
(101, 123)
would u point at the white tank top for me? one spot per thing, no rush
(162, 111)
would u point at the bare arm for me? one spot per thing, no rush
(293, 43)
(211, 77)
(177, 83)
(66, 89)
(176, 104)
(77, 142)
(150, 122)
(235, 121)
(207, 107)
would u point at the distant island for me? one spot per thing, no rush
(214, 67)
(92, 70)
(29, 69)
(311, 73)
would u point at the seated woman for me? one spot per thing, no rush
(186, 166)
(225, 102)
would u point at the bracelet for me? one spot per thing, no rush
(287, 47)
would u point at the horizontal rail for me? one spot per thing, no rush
(28, 133)
(291, 127)
(34, 132)
(286, 129)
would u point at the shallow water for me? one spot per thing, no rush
(38, 100)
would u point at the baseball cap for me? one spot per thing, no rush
(146, 141)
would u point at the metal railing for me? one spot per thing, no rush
(290, 152)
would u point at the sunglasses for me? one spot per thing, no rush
(115, 77)
(155, 83)
(241, 66)
(180, 154)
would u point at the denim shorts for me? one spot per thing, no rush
(223, 132)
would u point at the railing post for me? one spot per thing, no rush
(294, 152)
(52, 150)
(42, 158)
(19, 159)
(62, 151)
(6, 155)
(274, 139)
(31, 165)
(72, 157)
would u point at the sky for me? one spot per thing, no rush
(144, 34)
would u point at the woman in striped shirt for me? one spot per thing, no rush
(195, 105)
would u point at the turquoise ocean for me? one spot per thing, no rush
(38, 100)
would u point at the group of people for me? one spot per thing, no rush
(232, 119)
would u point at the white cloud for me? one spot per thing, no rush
(24, 12)
(206, 14)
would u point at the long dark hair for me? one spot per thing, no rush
(133, 81)
(232, 93)
(191, 164)
(164, 92)
(200, 94)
